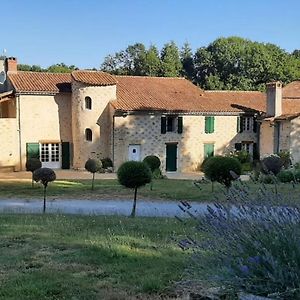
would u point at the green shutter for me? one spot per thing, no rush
(208, 150)
(65, 149)
(163, 129)
(32, 150)
(180, 125)
(209, 124)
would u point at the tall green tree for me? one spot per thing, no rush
(170, 58)
(187, 61)
(152, 62)
(61, 68)
(240, 64)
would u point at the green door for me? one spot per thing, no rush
(32, 150)
(65, 149)
(171, 157)
(209, 150)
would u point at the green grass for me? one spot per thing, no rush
(74, 257)
(169, 189)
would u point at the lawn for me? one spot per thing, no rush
(75, 257)
(169, 189)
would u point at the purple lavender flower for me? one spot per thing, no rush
(244, 269)
(254, 259)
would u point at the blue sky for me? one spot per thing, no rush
(83, 32)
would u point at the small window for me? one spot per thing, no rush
(88, 135)
(88, 103)
(171, 124)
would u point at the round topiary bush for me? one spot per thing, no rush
(134, 174)
(271, 164)
(285, 176)
(106, 163)
(152, 161)
(222, 169)
(33, 164)
(93, 166)
(44, 175)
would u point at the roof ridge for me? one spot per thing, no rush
(144, 76)
(231, 91)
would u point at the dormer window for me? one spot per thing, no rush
(88, 103)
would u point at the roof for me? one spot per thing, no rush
(178, 94)
(94, 78)
(40, 82)
(292, 90)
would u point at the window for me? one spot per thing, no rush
(248, 124)
(88, 103)
(209, 124)
(171, 124)
(88, 135)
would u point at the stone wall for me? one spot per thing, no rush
(44, 118)
(9, 143)
(295, 139)
(83, 118)
(146, 131)
(266, 139)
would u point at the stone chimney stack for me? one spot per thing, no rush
(274, 99)
(11, 65)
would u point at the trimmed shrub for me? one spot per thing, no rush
(33, 164)
(221, 169)
(152, 161)
(44, 175)
(93, 166)
(285, 176)
(242, 155)
(285, 157)
(134, 174)
(106, 163)
(271, 164)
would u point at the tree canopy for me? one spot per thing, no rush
(56, 68)
(231, 63)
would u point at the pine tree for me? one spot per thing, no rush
(171, 64)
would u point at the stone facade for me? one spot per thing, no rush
(9, 143)
(145, 130)
(44, 118)
(98, 119)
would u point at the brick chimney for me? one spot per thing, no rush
(274, 99)
(11, 64)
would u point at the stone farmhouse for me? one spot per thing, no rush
(64, 119)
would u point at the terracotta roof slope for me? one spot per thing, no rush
(94, 77)
(178, 94)
(291, 90)
(40, 82)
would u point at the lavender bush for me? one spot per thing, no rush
(253, 248)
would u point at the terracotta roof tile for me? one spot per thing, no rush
(40, 82)
(94, 77)
(178, 94)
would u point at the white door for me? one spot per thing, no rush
(50, 155)
(134, 152)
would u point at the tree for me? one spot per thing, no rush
(44, 175)
(33, 68)
(93, 166)
(33, 164)
(153, 162)
(61, 68)
(240, 64)
(221, 169)
(171, 64)
(134, 174)
(152, 62)
(187, 61)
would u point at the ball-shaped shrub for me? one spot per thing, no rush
(152, 161)
(33, 164)
(286, 176)
(271, 164)
(106, 163)
(44, 175)
(133, 174)
(221, 169)
(93, 165)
